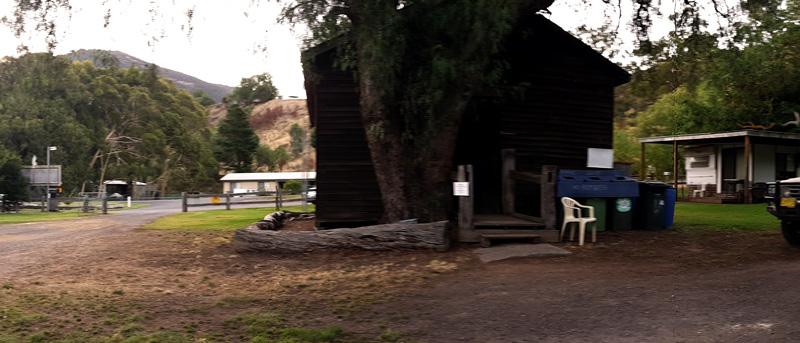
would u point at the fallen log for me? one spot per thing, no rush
(273, 221)
(396, 236)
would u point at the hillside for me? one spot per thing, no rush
(186, 82)
(271, 122)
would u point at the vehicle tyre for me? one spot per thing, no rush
(791, 232)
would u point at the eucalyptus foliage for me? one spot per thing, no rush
(257, 88)
(106, 122)
(13, 186)
(712, 82)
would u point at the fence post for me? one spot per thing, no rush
(227, 201)
(184, 202)
(278, 197)
(129, 202)
(508, 166)
(466, 210)
(44, 202)
(547, 200)
(105, 205)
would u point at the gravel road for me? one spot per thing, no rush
(21, 244)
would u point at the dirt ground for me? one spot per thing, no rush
(629, 287)
(632, 287)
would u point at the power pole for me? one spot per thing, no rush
(49, 175)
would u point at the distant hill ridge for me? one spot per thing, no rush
(123, 60)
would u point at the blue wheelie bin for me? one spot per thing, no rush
(610, 192)
(652, 207)
(670, 197)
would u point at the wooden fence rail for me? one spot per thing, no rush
(227, 199)
(85, 204)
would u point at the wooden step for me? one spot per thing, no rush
(542, 235)
(487, 238)
(500, 220)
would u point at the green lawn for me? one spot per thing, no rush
(34, 215)
(216, 220)
(29, 216)
(693, 216)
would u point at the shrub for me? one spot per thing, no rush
(293, 186)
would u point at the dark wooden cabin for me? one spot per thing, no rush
(565, 106)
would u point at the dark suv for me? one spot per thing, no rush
(783, 201)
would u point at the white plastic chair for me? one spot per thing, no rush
(573, 214)
(699, 193)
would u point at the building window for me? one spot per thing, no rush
(700, 162)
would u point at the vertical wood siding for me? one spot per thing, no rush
(347, 190)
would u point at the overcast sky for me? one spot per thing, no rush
(229, 39)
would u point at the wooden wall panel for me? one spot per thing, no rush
(347, 190)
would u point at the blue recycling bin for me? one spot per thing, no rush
(670, 198)
(610, 192)
(595, 184)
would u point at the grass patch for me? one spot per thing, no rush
(216, 220)
(34, 215)
(740, 217)
(390, 336)
(237, 301)
(116, 206)
(31, 216)
(270, 328)
(58, 317)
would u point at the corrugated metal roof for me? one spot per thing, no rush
(122, 182)
(788, 136)
(283, 176)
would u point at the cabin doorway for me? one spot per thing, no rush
(729, 163)
(526, 203)
(732, 170)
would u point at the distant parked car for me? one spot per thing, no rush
(311, 195)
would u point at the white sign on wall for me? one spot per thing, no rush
(461, 189)
(600, 158)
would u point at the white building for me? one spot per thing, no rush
(734, 166)
(262, 182)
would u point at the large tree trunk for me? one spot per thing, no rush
(413, 147)
(376, 74)
(387, 152)
(435, 172)
(101, 186)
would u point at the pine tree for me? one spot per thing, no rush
(236, 141)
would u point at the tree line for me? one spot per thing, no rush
(108, 123)
(125, 123)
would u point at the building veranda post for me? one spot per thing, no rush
(509, 146)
